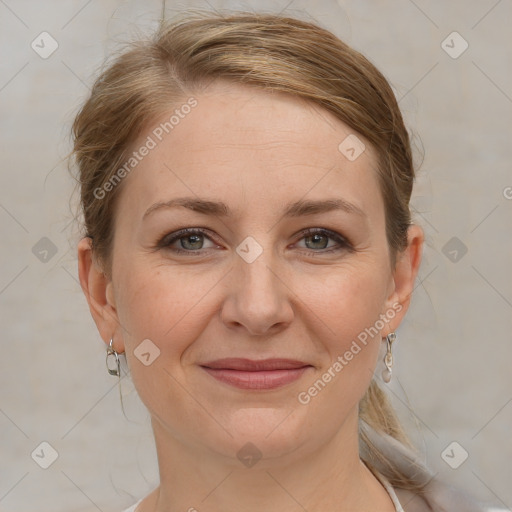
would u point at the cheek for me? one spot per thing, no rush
(348, 301)
(345, 306)
(162, 306)
(348, 306)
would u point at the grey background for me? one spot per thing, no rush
(453, 356)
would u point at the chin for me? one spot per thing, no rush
(269, 433)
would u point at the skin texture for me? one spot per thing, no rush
(256, 152)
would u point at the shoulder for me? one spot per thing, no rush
(435, 495)
(440, 497)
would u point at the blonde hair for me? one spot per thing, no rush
(272, 52)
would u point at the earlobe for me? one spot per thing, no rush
(97, 288)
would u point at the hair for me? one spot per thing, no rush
(271, 52)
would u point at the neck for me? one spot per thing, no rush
(192, 478)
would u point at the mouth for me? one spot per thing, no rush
(256, 375)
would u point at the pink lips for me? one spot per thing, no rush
(251, 374)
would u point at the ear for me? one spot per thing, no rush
(98, 291)
(404, 277)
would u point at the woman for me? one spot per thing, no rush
(245, 184)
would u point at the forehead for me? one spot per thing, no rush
(240, 141)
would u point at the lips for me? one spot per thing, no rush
(254, 374)
(251, 365)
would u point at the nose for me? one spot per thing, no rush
(258, 299)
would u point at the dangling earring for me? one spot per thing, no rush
(388, 358)
(111, 352)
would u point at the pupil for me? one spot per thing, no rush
(192, 242)
(316, 238)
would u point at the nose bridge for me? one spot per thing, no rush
(257, 299)
(258, 281)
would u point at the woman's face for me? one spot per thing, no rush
(285, 257)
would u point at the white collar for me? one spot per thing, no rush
(392, 494)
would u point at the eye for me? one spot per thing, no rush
(323, 240)
(189, 240)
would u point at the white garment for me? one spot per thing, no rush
(133, 507)
(383, 481)
(391, 492)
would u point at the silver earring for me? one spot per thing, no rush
(388, 358)
(111, 352)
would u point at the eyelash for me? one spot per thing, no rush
(167, 240)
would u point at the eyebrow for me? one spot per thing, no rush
(296, 209)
